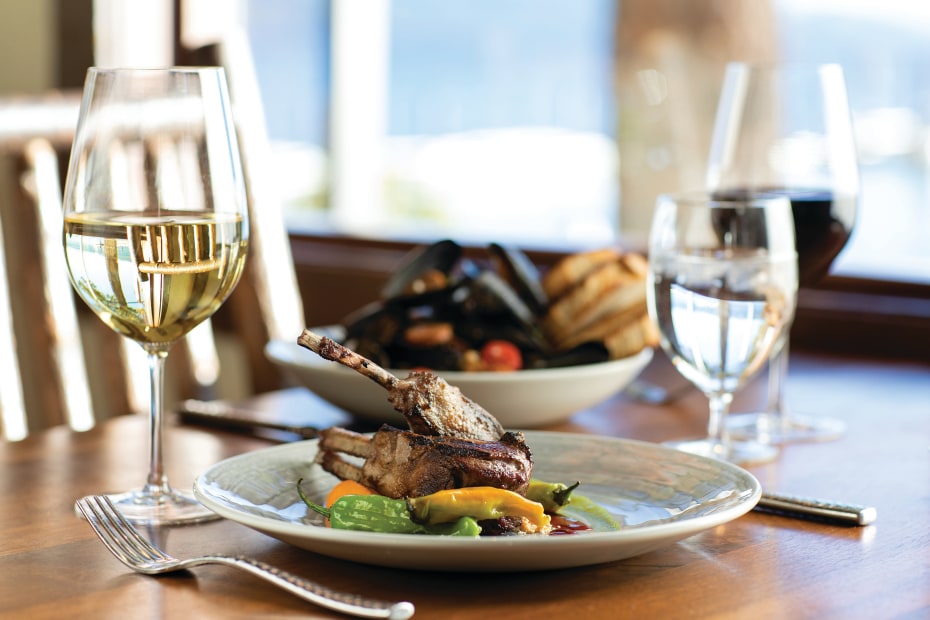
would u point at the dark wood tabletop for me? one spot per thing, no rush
(757, 566)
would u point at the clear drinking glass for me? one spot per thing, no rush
(155, 227)
(722, 288)
(786, 130)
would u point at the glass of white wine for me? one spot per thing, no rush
(722, 288)
(155, 227)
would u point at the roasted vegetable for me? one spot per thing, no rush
(376, 513)
(346, 487)
(481, 503)
(552, 495)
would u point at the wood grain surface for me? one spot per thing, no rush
(759, 566)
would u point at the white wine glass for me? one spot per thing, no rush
(722, 287)
(787, 130)
(155, 228)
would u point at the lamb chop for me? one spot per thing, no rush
(404, 464)
(429, 404)
(452, 441)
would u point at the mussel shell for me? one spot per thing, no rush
(439, 357)
(478, 332)
(377, 320)
(521, 274)
(593, 352)
(488, 295)
(441, 256)
(372, 349)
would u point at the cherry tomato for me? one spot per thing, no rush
(501, 355)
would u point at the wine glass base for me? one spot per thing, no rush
(736, 452)
(161, 508)
(773, 428)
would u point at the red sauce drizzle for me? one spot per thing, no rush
(562, 526)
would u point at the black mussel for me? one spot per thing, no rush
(445, 356)
(375, 322)
(422, 270)
(521, 274)
(490, 296)
(592, 352)
(372, 349)
(478, 331)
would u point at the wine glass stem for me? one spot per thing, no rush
(778, 374)
(157, 481)
(716, 423)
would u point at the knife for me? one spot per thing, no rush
(227, 416)
(816, 510)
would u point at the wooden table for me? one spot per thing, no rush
(759, 566)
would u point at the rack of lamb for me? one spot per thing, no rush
(452, 442)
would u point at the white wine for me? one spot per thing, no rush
(154, 278)
(720, 320)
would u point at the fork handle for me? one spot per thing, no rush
(352, 604)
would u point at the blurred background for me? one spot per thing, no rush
(545, 123)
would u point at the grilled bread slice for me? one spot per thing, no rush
(601, 297)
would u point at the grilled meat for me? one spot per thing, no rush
(429, 404)
(452, 441)
(400, 463)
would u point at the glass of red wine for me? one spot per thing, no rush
(786, 130)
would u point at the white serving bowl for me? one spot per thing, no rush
(519, 399)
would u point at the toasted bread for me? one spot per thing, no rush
(599, 296)
(605, 290)
(624, 300)
(633, 338)
(608, 324)
(572, 269)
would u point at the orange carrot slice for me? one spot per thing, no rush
(347, 487)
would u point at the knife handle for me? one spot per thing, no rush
(227, 416)
(808, 508)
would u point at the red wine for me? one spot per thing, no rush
(822, 225)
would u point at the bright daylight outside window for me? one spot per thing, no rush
(497, 119)
(498, 116)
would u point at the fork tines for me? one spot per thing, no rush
(118, 534)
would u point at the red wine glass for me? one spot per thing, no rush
(787, 130)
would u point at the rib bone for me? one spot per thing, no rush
(404, 464)
(430, 405)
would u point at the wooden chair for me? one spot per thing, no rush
(43, 366)
(268, 304)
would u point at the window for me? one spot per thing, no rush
(495, 120)
(884, 49)
(499, 120)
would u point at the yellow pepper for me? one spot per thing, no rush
(480, 503)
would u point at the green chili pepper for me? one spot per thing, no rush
(464, 526)
(591, 513)
(376, 513)
(552, 495)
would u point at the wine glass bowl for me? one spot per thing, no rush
(786, 130)
(722, 283)
(155, 227)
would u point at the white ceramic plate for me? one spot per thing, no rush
(522, 399)
(660, 496)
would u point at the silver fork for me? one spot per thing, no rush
(136, 552)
